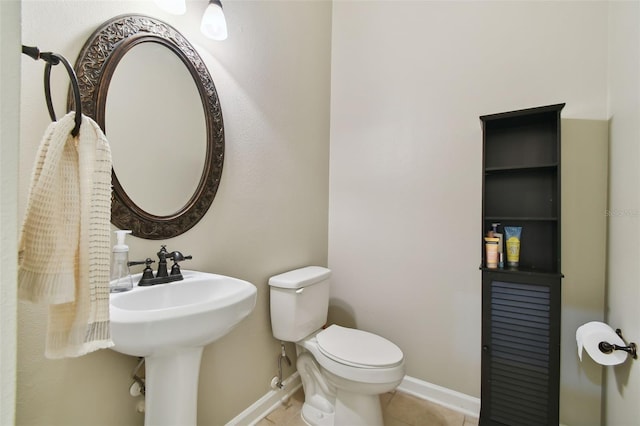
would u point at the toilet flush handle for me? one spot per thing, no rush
(300, 290)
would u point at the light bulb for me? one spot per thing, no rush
(213, 25)
(176, 7)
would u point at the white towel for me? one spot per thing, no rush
(64, 246)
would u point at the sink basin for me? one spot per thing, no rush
(193, 312)
(169, 325)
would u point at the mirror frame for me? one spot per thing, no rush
(95, 67)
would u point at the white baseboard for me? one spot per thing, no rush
(451, 399)
(270, 401)
(460, 402)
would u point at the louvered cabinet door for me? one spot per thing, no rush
(520, 349)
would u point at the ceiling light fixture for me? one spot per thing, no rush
(214, 25)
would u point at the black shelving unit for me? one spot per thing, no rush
(521, 307)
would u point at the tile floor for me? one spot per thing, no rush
(398, 408)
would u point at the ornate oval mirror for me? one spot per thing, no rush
(153, 162)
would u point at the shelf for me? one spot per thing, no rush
(523, 271)
(527, 193)
(525, 167)
(520, 219)
(522, 139)
(538, 242)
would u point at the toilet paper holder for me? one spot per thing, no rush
(607, 348)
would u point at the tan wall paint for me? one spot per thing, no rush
(585, 152)
(270, 213)
(623, 275)
(9, 141)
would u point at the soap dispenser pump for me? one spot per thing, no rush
(498, 235)
(120, 275)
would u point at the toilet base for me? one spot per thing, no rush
(314, 417)
(351, 409)
(356, 409)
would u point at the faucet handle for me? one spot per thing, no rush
(147, 273)
(162, 254)
(176, 256)
(146, 262)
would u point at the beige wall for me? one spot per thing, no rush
(9, 131)
(409, 80)
(270, 214)
(623, 295)
(584, 168)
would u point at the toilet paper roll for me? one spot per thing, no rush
(589, 336)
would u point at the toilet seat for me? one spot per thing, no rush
(353, 366)
(358, 348)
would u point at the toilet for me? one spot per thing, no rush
(343, 370)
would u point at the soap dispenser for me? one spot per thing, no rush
(498, 235)
(120, 275)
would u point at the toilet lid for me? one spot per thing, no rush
(359, 348)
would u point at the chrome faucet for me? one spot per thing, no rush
(162, 276)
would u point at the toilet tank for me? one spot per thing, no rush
(299, 302)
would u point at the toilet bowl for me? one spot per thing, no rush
(343, 370)
(357, 367)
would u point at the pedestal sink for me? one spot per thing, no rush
(169, 325)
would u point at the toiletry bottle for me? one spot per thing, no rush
(513, 236)
(500, 245)
(120, 275)
(491, 246)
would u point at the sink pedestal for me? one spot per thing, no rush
(169, 325)
(172, 388)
